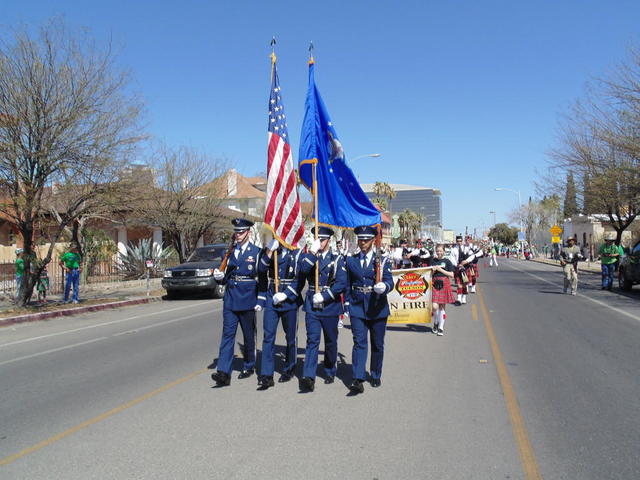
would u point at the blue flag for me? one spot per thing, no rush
(341, 200)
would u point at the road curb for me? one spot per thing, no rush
(34, 317)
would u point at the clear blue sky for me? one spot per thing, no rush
(462, 96)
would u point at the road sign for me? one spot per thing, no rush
(555, 239)
(555, 230)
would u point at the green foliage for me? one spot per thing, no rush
(504, 234)
(570, 207)
(133, 264)
(98, 247)
(382, 202)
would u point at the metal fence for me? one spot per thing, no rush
(100, 272)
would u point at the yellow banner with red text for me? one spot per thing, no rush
(410, 299)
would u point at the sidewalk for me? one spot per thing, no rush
(592, 267)
(92, 298)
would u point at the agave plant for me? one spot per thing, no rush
(133, 265)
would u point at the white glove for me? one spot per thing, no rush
(379, 288)
(273, 245)
(279, 298)
(218, 275)
(315, 246)
(317, 298)
(257, 308)
(346, 312)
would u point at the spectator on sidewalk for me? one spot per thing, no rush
(43, 285)
(19, 270)
(70, 263)
(610, 254)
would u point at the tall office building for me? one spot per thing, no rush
(422, 200)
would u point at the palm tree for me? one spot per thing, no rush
(385, 193)
(410, 223)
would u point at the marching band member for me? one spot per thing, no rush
(368, 308)
(323, 307)
(461, 256)
(240, 303)
(477, 254)
(281, 306)
(441, 293)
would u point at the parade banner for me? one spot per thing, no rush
(410, 299)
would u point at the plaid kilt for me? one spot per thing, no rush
(445, 295)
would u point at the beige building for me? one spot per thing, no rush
(589, 231)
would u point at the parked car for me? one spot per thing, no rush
(629, 268)
(196, 274)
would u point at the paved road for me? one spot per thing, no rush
(127, 394)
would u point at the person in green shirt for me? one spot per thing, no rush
(609, 254)
(70, 263)
(19, 270)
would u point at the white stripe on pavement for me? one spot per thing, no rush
(602, 304)
(162, 323)
(53, 350)
(114, 322)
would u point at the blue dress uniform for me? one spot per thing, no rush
(332, 282)
(240, 300)
(368, 310)
(285, 311)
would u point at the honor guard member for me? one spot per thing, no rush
(368, 308)
(240, 303)
(323, 307)
(281, 306)
(461, 257)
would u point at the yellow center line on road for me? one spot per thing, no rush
(474, 312)
(92, 421)
(525, 449)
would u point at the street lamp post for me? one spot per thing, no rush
(371, 155)
(494, 217)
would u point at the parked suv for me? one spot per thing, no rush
(629, 271)
(196, 274)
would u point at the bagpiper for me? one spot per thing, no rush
(281, 305)
(461, 257)
(323, 307)
(240, 303)
(368, 307)
(478, 253)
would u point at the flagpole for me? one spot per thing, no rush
(276, 276)
(315, 192)
(315, 208)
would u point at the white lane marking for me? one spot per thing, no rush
(160, 324)
(114, 322)
(52, 351)
(602, 304)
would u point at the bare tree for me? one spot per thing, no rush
(67, 126)
(186, 200)
(600, 143)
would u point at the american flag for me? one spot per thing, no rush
(283, 214)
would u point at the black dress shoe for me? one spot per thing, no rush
(222, 379)
(376, 382)
(285, 377)
(245, 374)
(357, 386)
(265, 382)
(307, 384)
(329, 380)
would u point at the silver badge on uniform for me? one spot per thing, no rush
(250, 267)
